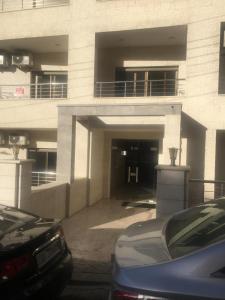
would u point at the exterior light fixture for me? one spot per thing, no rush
(17, 142)
(124, 153)
(173, 155)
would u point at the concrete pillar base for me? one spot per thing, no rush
(172, 189)
(15, 182)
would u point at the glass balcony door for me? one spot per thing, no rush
(146, 82)
(136, 83)
(162, 83)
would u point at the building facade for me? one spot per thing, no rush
(103, 89)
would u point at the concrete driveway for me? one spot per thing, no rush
(91, 233)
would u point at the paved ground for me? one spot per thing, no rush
(86, 292)
(91, 281)
(91, 235)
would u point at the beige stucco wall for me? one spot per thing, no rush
(20, 113)
(123, 14)
(79, 188)
(87, 187)
(15, 183)
(29, 23)
(202, 48)
(48, 200)
(83, 19)
(202, 44)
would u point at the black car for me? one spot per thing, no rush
(176, 258)
(35, 261)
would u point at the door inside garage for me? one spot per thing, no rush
(133, 164)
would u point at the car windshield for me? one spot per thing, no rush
(196, 228)
(11, 219)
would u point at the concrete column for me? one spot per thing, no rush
(15, 182)
(79, 192)
(96, 166)
(66, 147)
(172, 189)
(210, 163)
(81, 62)
(172, 136)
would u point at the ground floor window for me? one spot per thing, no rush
(44, 166)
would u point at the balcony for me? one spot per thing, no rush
(141, 88)
(33, 91)
(14, 5)
(141, 63)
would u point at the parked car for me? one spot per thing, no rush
(35, 261)
(181, 257)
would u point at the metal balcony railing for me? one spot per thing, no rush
(141, 88)
(39, 178)
(13, 5)
(33, 91)
(201, 190)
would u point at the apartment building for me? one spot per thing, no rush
(103, 89)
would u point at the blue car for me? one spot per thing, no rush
(180, 257)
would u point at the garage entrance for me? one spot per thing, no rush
(133, 168)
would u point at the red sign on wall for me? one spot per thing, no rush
(19, 91)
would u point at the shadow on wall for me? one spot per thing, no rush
(110, 58)
(195, 133)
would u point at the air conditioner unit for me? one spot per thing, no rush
(4, 61)
(20, 140)
(22, 60)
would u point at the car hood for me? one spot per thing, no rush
(142, 244)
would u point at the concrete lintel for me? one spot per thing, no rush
(153, 109)
(91, 122)
(172, 168)
(16, 162)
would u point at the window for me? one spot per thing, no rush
(44, 167)
(49, 85)
(196, 228)
(45, 159)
